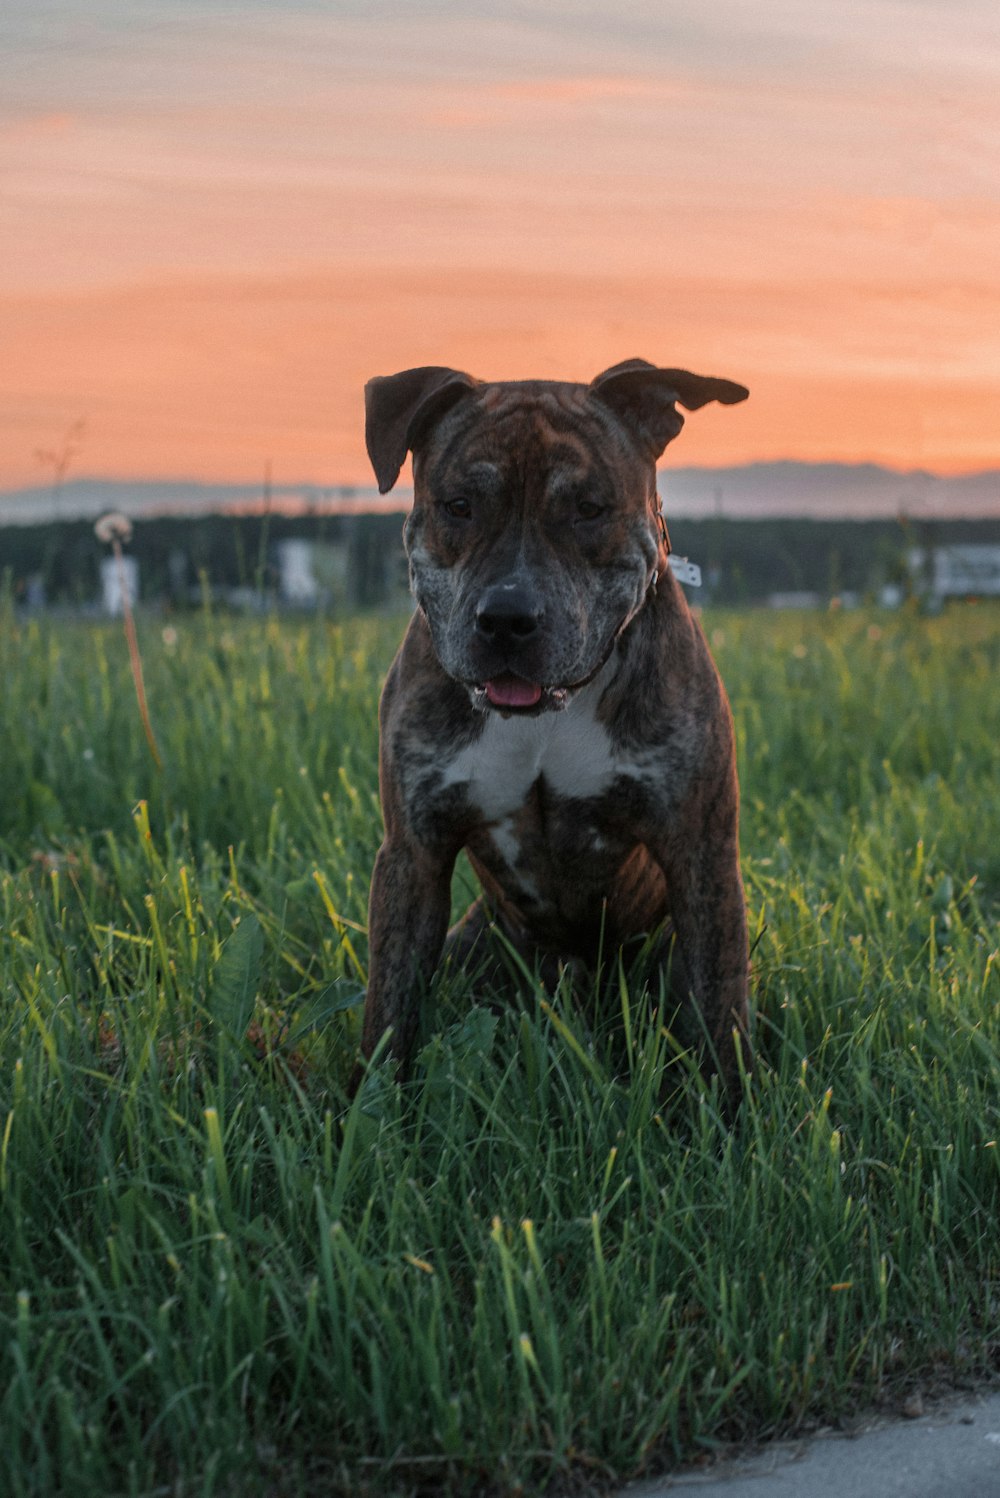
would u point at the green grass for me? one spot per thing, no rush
(545, 1259)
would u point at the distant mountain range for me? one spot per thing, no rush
(826, 491)
(829, 491)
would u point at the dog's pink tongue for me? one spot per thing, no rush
(512, 691)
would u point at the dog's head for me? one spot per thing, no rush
(535, 531)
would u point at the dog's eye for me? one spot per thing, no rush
(587, 509)
(458, 509)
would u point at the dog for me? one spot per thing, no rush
(554, 708)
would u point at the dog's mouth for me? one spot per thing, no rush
(509, 693)
(512, 691)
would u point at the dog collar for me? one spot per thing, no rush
(684, 571)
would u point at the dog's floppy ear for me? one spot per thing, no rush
(400, 407)
(643, 398)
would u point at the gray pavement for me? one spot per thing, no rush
(953, 1451)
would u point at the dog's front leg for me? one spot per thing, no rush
(407, 922)
(708, 908)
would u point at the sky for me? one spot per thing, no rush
(217, 220)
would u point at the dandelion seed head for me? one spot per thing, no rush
(114, 526)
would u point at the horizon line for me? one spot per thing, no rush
(664, 471)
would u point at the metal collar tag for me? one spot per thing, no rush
(685, 571)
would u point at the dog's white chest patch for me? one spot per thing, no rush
(570, 750)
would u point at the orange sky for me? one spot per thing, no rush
(218, 221)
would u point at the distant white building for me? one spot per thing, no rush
(964, 571)
(311, 573)
(119, 579)
(297, 580)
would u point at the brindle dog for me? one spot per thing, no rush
(554, 709)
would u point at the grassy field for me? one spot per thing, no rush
(545, 1260)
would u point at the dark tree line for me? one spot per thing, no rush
(742, 561)
(178, 556)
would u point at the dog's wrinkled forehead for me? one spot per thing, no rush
(526, 436)
(505, 398)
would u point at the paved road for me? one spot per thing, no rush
(952, 1452)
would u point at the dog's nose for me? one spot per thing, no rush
(508, 615)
